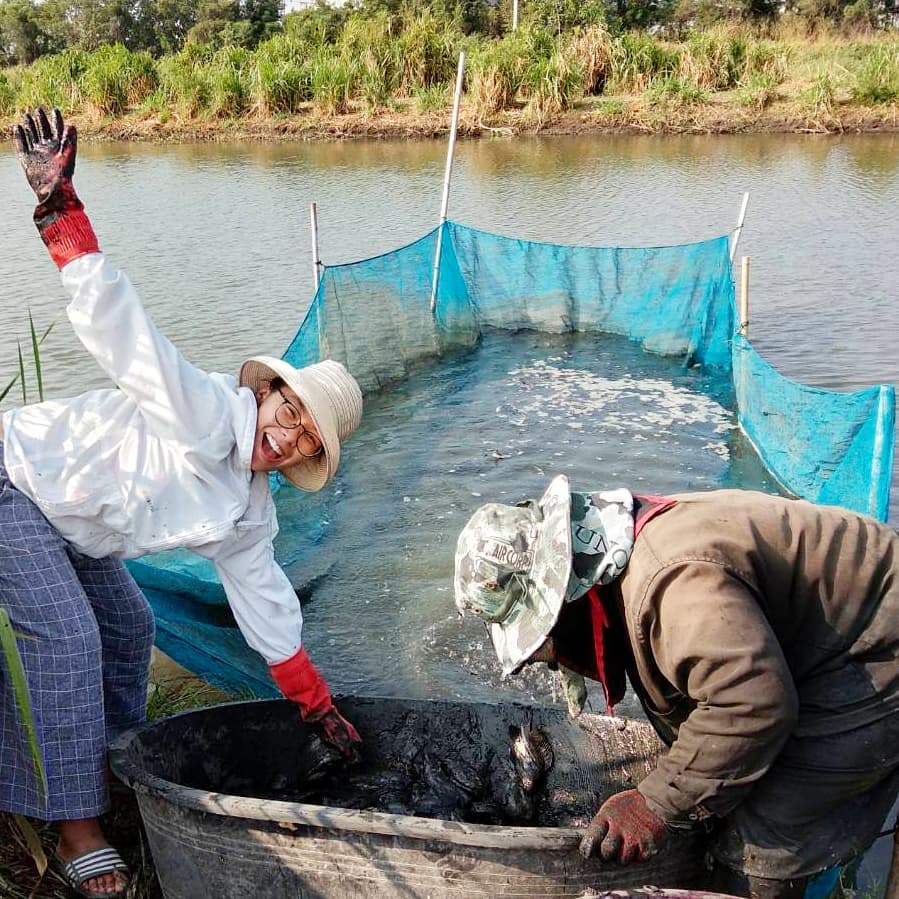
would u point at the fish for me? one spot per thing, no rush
(532, 756)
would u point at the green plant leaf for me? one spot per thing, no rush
(36, 354)
(13, 663)
(22, 372)
(9, 386)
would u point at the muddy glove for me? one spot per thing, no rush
(47, 153)
(301, 683)
(625, 830)
(575, 689)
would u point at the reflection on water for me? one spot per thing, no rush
(493, 424)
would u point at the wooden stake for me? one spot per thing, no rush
(313, 220)
(744, 298)
(447, 177)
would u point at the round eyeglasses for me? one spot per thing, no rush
(290, 418)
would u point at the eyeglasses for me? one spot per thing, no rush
(288, 416)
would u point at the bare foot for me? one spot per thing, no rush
(80, 836)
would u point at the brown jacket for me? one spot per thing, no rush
(750, 618)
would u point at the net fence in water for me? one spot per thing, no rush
(616, 366)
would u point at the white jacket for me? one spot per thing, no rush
(161, 462)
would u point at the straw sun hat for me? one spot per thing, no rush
(331, 397)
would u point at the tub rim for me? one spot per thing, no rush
(488, 836)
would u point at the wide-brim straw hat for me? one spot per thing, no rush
(333, 400)
(512, 569)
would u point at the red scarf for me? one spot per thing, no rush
(607, 664)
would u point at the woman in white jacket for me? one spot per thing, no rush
(173, 456)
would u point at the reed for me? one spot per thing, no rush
(495, 75)
(876, 78)
(183, 83)
(53, 81)
(332, 81)
(673, 92)
(435, 98)
(819, 99)
(8, 92)
(228, 78)
(116, 79)
(640, 60)
(594, 49)
(758, 91)
(427, 50)
(551, 86)
(715, 59)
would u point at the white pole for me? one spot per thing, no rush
(744, 299)
(313, 218)
(514, 15)
(448, 174)
(735, 239)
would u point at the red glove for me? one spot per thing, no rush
(47, 154)
(301, 682)
(625, 830)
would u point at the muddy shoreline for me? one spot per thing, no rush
(596, 116)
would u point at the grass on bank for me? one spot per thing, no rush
(377, 68)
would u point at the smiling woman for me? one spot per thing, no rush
(124, 487)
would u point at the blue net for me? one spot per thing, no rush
(634, 344)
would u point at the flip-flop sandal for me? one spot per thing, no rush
(94, 863)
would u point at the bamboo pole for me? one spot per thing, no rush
(735, 239)
(744, 297)
(316, 263)
(892, 889)
(447, 177)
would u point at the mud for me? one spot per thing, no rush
(502, 765)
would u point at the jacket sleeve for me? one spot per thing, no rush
(180, 402)
(710, 640)
(264, 604)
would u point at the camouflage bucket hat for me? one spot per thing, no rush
(512, 569)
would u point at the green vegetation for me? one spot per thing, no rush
(157, 67)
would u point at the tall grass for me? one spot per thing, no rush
(332, 80)
(115, 79)
(877, 76)
(380, 60)
(53, 81)
(642, 59)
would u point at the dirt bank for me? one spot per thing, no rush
(721, 114)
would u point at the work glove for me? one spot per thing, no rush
(47, 153)
(300, 681)
(575, 689)
(624, 830)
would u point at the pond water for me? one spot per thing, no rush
(495, 423)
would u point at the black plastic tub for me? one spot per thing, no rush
(224, 794)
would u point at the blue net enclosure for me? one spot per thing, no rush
(486, 374)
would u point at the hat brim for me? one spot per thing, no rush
(314, 473)
(524, 630)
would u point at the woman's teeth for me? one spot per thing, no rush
(274, 446)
